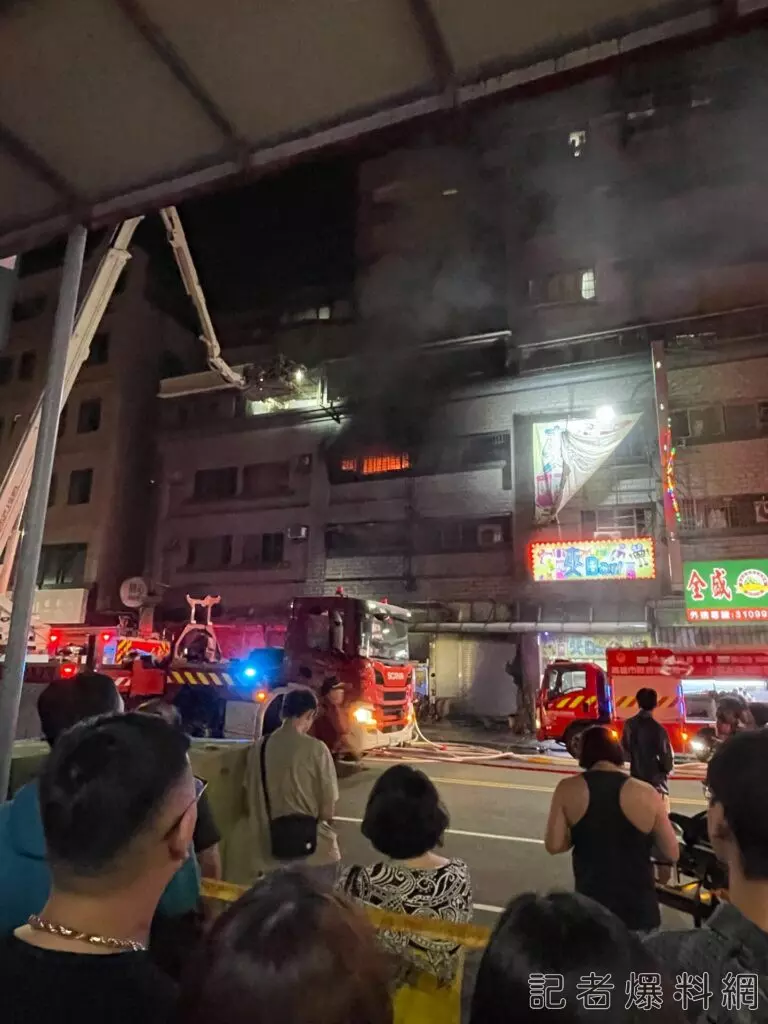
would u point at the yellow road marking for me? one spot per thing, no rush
(488, 784)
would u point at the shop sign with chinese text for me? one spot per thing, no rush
(726, 591)
(631, 558)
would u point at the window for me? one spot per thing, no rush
(741, 419)
(80, 486)
(573, 679)
(265, 479)
(89, 416)
(485, 449)
(571, 286)
(706, 422)
(376, 465)
(2, 427)
(52, 491)
(62, 421)
(6, 369)
(99, 353)
(626, 520)
(762, 413)
(215, 484)
(27, 309)
(209, 552)
(62, 565)
(27, 364)
(366, 538)
(453, 535)
(264, 549)
(680, 426)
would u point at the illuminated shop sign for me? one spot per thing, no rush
(726, 591)
(631, 558)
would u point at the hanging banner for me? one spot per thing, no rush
(566, 453)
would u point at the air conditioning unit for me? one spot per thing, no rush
(298, 532)
(489, 536)
(761, 511)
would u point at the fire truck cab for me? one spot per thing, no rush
(575, 695)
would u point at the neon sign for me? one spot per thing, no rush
(630, 558)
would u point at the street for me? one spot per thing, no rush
(498, 816)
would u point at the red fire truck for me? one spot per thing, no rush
(227, 680)
(575, 695)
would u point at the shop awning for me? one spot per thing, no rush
(116, 106)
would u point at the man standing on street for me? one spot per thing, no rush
(298, 782)
(647, 747)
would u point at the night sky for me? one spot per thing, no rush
(257, 244)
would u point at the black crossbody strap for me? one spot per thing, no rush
(262, 755)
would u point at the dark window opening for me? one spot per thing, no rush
(6, 369)
(215, 484)
(62, 421)
(62, 565)
(80, 486)
(27, 309)
(209, 552)
(27, 364)
(265, 479)
(99, 352)
(264, 549)
(366, 538)
(52, 491)
(89, 416)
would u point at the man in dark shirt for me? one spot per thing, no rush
(119, 804)
(730, 953)
(646, 745)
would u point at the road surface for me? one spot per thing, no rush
(498, 815)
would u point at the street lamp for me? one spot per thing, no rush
(605, 415)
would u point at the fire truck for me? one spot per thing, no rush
(227, 680)
(575, 695)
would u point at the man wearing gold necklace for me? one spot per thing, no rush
(118, 803)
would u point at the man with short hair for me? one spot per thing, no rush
(646, 745)
(301, 780)
(119, 803)
(732, 948)
(25, 876)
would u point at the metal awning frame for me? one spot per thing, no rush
(239, 160)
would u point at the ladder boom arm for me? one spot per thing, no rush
(181, 253)
(15, 485)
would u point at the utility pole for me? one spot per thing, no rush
(670, 535)
(37, 503)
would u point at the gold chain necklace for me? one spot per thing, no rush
(39, 924)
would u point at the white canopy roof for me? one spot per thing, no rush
(116, 106)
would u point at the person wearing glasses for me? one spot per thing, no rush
(119, 803)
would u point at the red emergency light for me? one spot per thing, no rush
(67, 670)
(53, 638)
(106, 637)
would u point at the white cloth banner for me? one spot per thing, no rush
(566, 453)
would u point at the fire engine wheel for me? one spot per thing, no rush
(572, 737)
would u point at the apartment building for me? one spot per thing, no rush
(510, 284)
(100, 502)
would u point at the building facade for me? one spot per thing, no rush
(511, 281)
(100, 502)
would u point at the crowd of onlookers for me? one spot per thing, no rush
(100, 863)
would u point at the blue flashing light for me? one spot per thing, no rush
(249, 672)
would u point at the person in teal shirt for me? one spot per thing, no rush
(25, 878)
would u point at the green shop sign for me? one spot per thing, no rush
(726, 591)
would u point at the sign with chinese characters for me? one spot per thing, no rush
(587, 647)
(630, 558)
(726, 591)
(703, 664)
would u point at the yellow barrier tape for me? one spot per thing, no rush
(471, 936)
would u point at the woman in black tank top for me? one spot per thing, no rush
(611, 856)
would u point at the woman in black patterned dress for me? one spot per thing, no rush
(405, 821)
